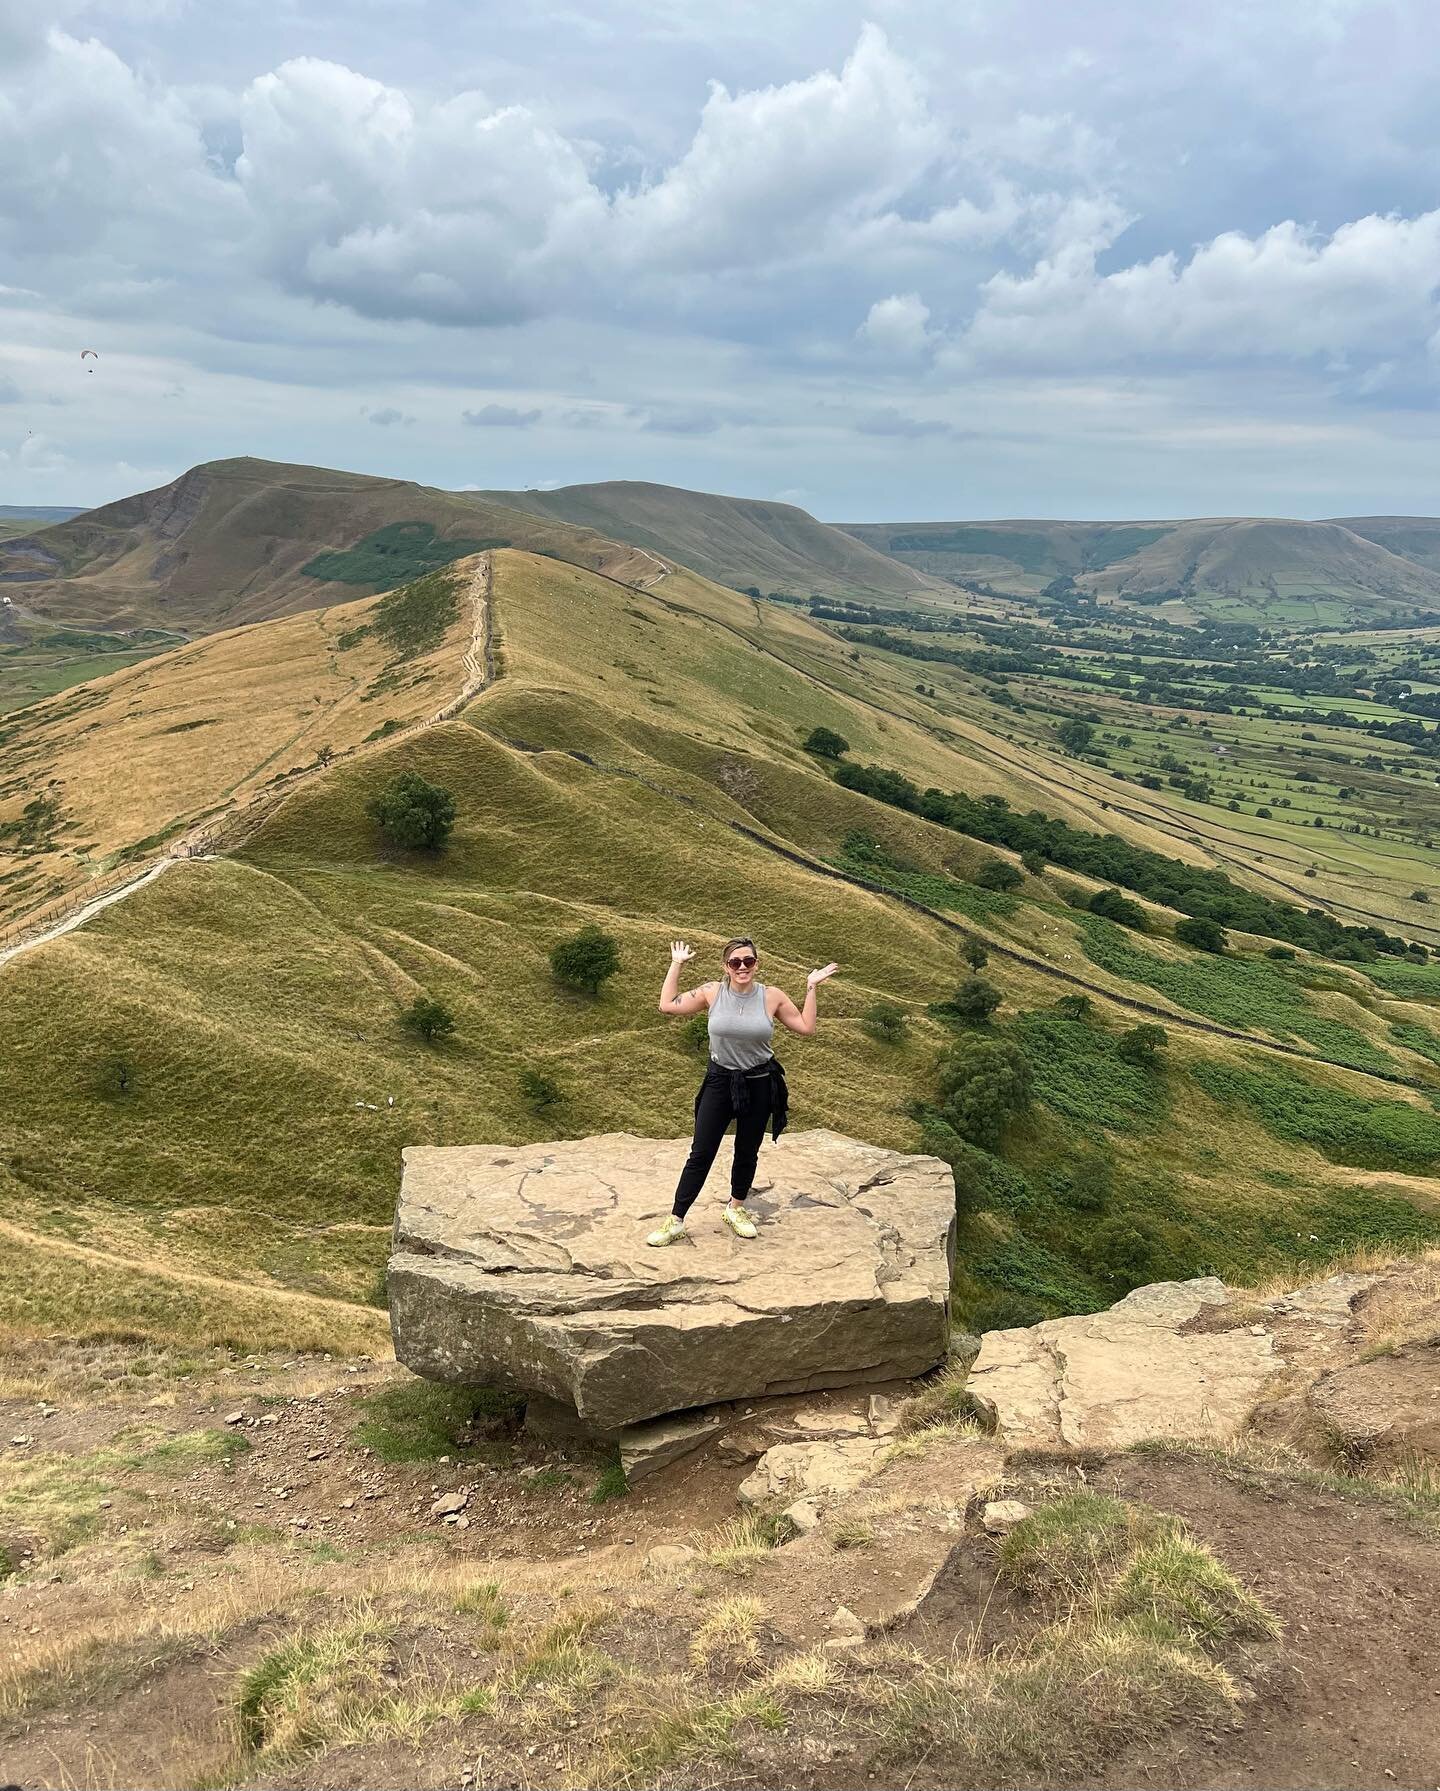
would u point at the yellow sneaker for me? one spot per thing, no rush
(740, 1222)
(670, 1232)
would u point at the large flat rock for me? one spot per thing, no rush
(1138, 1371)
(526, 1267)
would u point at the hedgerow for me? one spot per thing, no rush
(1191, 889)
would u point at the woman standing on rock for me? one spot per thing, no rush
(743, 1082)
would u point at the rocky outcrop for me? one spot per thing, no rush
(526, 1267)
(1109, 1379)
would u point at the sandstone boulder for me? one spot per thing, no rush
(525, 1267)
(819, 1472)
(1110, 1379)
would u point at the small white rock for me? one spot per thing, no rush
(844, 1622)
(804, 1514)
(1002, 1515)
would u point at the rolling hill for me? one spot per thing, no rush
(238, 541)
(740, 542)
(209, 1083)
(1239, 568)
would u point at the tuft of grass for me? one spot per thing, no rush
(736, 1546)
(311, 1689)
(944, 1400)
(485, 1601)
(612, 1484)
(1177, 1587)
(685, 1729)
(727, 1637)
(852, 1532)
(1064, 1549)
(1083, 1694)
(420, 1420)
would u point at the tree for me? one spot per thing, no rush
(1033, 862)
(585, 960)
(884, 1022)
(826, 743)
(1142, 1044)
(1111, 905)
(1075, 735)
(695, 1034)
(975, 999)
(414, 812)
(1419, 895)
(1074, 1007)
(1204, 935)
(997, 873)
(538, 1091)
(429, 1019)
(975, 953)
(983, 1083)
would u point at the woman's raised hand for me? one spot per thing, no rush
(680, 951)
(818, 976)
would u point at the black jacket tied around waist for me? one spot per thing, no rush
(740, 1083)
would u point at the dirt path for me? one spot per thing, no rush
(243, 817)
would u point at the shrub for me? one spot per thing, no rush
(1204, 935)
(884, 1022)
(585, 959)
(1034, 863)
(825, 743)
(1111, 905)
(1282, 954)
(1419, 895)
(982, 1084)
(695, 1034)
(1142, 1044)
(538, 1091)
(997, 873)
(428, 1018)
(1006, 1312)
(975, 999)
(1263, 814)
(413, 812)
(975, 953)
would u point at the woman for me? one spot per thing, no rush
(744, 1082)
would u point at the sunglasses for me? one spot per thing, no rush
(739, 963)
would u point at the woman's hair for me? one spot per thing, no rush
(728, 947)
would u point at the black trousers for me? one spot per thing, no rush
(714, 1110)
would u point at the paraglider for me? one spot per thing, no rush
(91, 352)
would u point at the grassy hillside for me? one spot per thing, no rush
(239, 541)
(109, 773)
(1231, 568)
(205, 1091)
(741, 542)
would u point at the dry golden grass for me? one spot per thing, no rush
(148, 750)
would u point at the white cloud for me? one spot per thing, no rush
(1368, 288)
(387, 417)
(461, 214)
(898, 326)
(785, 172)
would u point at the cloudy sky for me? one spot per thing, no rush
(923, 258)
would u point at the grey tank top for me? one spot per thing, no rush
(740, 1029)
